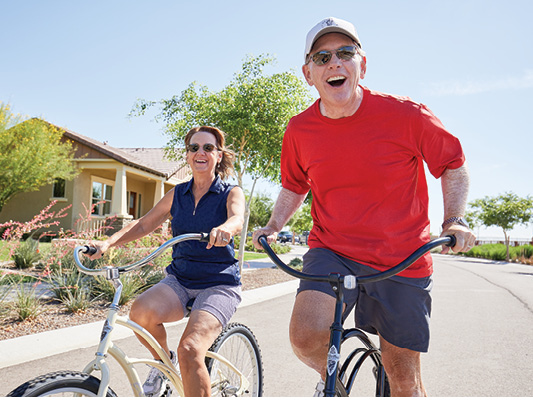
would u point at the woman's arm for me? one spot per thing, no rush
(222, 234)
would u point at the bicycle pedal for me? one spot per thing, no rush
(167, 392)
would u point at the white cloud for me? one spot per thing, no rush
(456, 88)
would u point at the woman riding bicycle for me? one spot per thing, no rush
(210, 274)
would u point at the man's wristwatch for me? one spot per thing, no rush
(455, 220)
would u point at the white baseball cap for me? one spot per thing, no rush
(329, 25)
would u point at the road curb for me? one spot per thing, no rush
(34, 347)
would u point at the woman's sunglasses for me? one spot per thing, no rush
(208, 147)
(343, 53)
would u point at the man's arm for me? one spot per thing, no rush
(286, 205)
(455, 184)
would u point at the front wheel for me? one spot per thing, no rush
(62, 383)
(239, 346)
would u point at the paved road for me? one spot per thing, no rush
(481, 337)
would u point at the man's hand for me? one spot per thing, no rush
(465, 238)
(270, 233)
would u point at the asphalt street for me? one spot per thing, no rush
(481, 341)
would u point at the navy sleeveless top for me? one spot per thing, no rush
(194, 266)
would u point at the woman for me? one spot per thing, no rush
(208, 273)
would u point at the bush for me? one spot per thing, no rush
(277, 247)
(77, 301)
(498, 252)
(26, 254)
(27, 304)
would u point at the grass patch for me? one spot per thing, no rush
(250, 256)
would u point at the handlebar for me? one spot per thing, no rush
(350, 281)
(202, 237)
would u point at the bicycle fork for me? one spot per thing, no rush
(336, 329)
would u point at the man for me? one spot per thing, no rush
(361, 154)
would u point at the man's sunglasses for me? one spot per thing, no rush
(208, 147)
(343, 53)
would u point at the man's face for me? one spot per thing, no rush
(337, 80)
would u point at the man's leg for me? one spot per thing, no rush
(403, 370)
(311, 319)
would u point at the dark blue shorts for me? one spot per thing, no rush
(397, 308)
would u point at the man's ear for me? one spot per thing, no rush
(307, 74)
(363, 67)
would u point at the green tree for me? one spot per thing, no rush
(302, 220)
(505, 211)
(260, 210)
(253, 110)
(31, 155)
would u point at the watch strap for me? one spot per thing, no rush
(455, 220)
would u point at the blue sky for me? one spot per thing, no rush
(82, 65)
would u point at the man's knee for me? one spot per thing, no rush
(310, 321)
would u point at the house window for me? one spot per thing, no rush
(58, 190)
(102, 192)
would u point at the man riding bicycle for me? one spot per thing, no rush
(361, 153)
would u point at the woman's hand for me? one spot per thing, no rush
(219, 237)
(101, 247)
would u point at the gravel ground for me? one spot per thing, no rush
(55, 317)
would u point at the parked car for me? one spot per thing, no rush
(303, 237)
(284, 236)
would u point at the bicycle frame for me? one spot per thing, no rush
(337, 333)
(106, 345)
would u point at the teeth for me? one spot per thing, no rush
(336, 78)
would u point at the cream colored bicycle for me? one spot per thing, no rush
(233, 361)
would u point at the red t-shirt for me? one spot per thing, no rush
(366, 174)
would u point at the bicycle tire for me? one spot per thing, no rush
(239, 346)
(67, 383)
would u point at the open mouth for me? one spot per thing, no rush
(336, 81)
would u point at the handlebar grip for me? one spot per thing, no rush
(453, 240)
(90, 250)
(205, 237)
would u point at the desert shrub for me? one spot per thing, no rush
(77, 301)
(26, 254)
(27, 305)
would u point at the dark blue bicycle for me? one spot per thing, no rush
(341, 376)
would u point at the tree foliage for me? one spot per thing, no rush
(260, 209)
(253, 110)
(504, 211)
(31, 155)
(302, 219)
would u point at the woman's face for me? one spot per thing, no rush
(203, 161)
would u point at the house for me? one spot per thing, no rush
(124, 183)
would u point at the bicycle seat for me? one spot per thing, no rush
(188, 306)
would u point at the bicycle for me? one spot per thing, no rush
(233, 361)
(340, 377)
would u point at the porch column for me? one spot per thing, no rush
(120, 205)
(159, 191)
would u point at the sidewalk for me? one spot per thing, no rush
(33, 347)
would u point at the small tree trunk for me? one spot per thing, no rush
(244, 231)
(507, 239)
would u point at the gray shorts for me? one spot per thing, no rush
(221, 301)
(397, 308)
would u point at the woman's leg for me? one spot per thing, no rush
(152, 308)
(200, 333)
